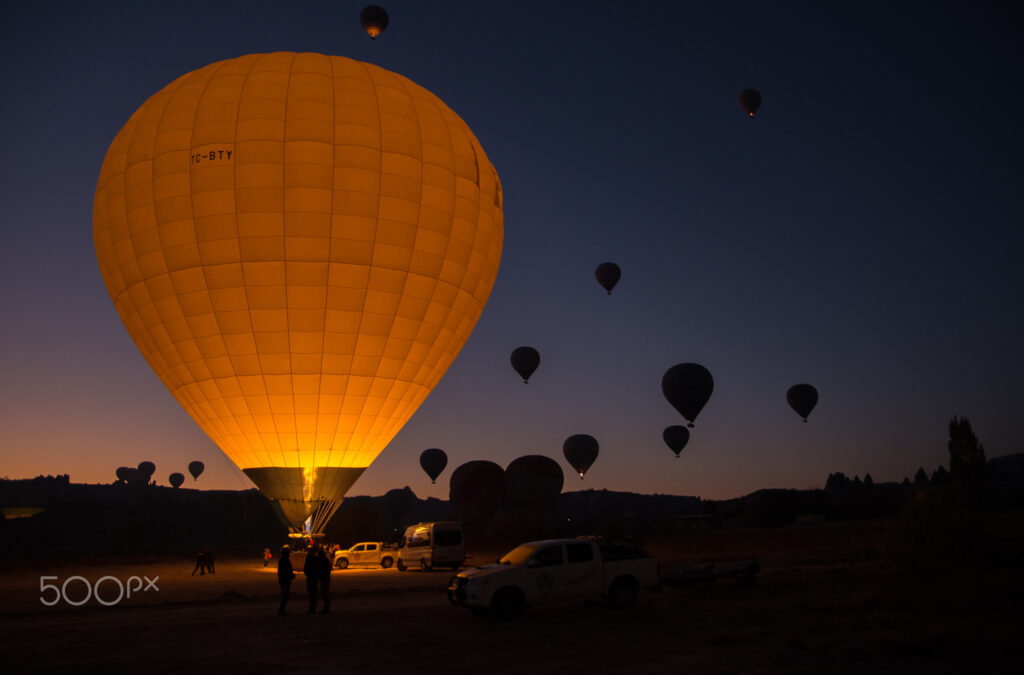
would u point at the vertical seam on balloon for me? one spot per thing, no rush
(284, 243)
(179, 390)
(447, 129)
(212, 420)
(387, 435)
(127, 290)
(126, 317)
(241, 263)
(376, 229)
(330, 251)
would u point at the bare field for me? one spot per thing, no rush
(828, 600)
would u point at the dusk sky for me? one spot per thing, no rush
(863, 233)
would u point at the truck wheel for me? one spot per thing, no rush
(622, 593)
(400, 565)
(386, 563)
(341, 563)
(424, 565)
(507, 604)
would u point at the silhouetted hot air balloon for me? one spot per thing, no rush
(676, 437)
(532, 484)
(802, 398)
(125, 473)
(687, 386)
(374, 20)
(525, 360)
(146, 471)
(176, 479)
(750, 101)
(195, 468)
(477, 489)
(433, 461)
(580, 451)
(300, 245)
(608, 274)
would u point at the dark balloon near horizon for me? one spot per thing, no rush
(688, 386)
(195, 468)
(608, 274)
(433, 461)
(525, 361)
(532, 484)
(146, 470)
(176, 479)
(676, 438)
(802, 398)
(580, 451)
(477, 488)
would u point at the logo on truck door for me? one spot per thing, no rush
(544, 582)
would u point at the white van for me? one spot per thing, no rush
(430, 545)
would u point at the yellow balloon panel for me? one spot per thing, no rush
(299, 245)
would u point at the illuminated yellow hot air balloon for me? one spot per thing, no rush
(299, 245)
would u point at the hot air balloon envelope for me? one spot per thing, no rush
(176, 479)
(676, 437)
(802, 398)
(195, 468)
(477, 489)
(524, 361)
(687, 386)
(433, 461)
(532, 484)
(749, 100)
(580, 451)
(374, 20)
(608, 274)
(299, 245)
(146, 470)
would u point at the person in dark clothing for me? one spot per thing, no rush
(209, 559)
(325, 580)
(200, 563)
(284, 578)
(312, 571)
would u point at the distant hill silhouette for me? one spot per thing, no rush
(51, 514)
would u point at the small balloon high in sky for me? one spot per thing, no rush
(374, 20)
(299, 245)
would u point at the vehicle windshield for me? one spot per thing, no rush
(518, 555)
(419, 537)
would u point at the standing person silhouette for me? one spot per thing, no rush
(324, 564)
(200, 563)
(285, 574)
(311, 569)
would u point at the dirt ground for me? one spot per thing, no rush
(829, 599)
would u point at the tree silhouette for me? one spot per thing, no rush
(940, 476)
(868, 482)
(966, 457)
(921, 478)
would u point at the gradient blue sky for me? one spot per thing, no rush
(864, 233)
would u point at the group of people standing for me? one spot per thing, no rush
(317, 568)
(204, 562)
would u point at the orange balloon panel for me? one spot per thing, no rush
(299, 245)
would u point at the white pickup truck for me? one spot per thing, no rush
(554, 570)
(367, 553)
